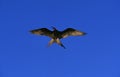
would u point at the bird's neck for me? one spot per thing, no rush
(55, 30)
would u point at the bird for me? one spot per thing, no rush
(56, 35)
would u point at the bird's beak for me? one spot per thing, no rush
(53, 28)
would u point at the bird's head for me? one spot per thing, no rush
(54, 28)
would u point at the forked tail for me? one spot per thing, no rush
(57, 41)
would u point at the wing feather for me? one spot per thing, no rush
(42, 31)
(71, 32)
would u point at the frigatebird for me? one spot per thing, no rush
(56, 35)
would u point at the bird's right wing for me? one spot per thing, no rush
(42, 31)
(71, 32)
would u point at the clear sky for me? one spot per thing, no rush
(25, 55)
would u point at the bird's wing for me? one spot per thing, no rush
(71, 32)
(42, 31)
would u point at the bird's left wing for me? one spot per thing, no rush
(71, 32)
(42, 31)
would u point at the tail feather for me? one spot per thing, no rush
(51, 42)
(58, 42)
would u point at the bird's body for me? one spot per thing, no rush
(57, 35)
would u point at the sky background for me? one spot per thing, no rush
(26, 55)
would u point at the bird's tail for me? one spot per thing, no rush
(59, 43)
(51, 42)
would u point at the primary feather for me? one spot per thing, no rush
(42, 31)
(71, 32)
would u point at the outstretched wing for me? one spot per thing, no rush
(71, 32)
(42, 31)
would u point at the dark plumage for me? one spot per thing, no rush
(57, 35)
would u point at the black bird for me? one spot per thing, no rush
(57, 35)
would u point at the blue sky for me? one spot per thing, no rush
(94, 55)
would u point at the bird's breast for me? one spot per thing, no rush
(56, 34)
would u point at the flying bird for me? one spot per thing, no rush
(56, 35)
